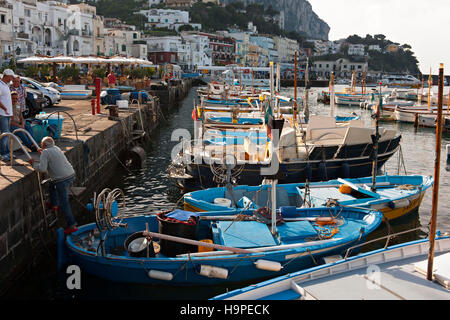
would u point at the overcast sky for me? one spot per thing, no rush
(423, 24)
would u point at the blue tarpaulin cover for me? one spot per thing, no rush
(182, 215)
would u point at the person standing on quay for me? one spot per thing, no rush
(111, 79)
(5, 111)
(18, 87)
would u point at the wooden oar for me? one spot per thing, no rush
(194, 242)
(264, 249)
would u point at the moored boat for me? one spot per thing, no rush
(165, 248)
(392, 273)
(395, 196)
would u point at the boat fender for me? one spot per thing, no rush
(62, 251)
(160, 275)
(396, 204)
(322, 171)
(268, 265)
(136, 157)
(213, 272)
(223, 202)
(114, 207)
(345, 170)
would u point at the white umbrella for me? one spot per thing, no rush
(119, 60)
(60, 59)
(145, 62)
(90, 60)
(34, 59)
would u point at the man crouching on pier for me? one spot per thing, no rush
(54, 162)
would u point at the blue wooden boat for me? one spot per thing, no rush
(245, 248)
(395, 196)
(392, 273)
(75, 95)
(259, 121)
(346, 118)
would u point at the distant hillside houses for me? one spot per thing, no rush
(29, 27)
(168, 18)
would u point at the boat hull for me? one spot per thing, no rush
(114, 264)
(286, 287)
(315, 170)
(404, 204)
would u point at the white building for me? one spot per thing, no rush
(200, 52)
(286, 49)
(166, 18)
(341, 68)
(374, 47)
(125, 42)
(7, 49)
(154, 2)
(356, 50)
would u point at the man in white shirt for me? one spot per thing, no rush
(5, 111)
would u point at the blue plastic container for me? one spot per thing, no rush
(135, 95)
(39, 131)
(54, 119)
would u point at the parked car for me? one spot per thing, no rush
(35, 103)
(52, 95)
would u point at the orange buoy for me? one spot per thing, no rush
(345, 189)
(322, 221)
(205, 249)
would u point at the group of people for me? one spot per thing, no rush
(52, 160)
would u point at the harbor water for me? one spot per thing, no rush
(149, 190)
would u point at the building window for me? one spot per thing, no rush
(135, 35)
(27, 12)
(124, 48)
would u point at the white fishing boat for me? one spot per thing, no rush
(411, 115)
(431, 120)
(400, 81)
(393, 273)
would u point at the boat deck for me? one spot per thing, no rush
(397, 280)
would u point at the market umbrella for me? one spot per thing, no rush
(34, 59)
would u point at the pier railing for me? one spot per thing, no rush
(388, 238)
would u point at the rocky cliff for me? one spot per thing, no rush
(298, 16)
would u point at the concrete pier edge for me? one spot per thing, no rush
(24, 238)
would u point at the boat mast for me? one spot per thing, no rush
(273, 228)
(332, 102)
(375, 139)
(271, 83)
(306, 107)
(429, 90)
(277, 89)
(295, 88)
(437, 162)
